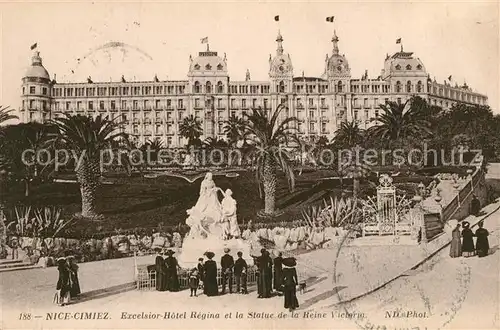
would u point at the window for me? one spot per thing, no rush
(135, 104)
(408, 67)
(254, 103)
(219, 67)
(44, 105)
(197, 87)
(266, 101)
(339, 87)
(196, 66)
(281, 87)
(147, 106)
(67, 105)
(311, 102)
(157, 104)
(323, 127)
(124, 105)
(419, 87)
(91, 105)
(356, 115)
(32, 89)
(208, 87)
(101, 105)
(323, 103)
(208, 67)
(311, 114)
(398, 87)
(180, 104)
(32, 104)
(365, 103)
(220, 87)
(197, 103)
(113, 105)
(408, 87)
(233, 103)
(244, 103)
(78, 105)
(399, 100)
(283, 100)
(419, 67)
(44, 91)
(398, 67)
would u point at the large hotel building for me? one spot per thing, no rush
(154, 109)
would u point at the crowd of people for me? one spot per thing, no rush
(279, 275)
(68, 285)
(462, 242)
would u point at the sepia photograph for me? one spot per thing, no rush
(249, 165)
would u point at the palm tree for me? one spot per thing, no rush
(154, 148)
(270, 135)
(399, 123)
(350, 136)
(88, 138)
(234, 129)
(5, 114)
(190, 128)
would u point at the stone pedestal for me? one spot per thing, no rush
(194, 248)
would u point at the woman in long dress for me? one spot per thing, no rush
(210, 277)
(73, 273)
(160, 272)
(172, 279)
(468, 241)
(63, 283)
(265, 274)
(456, 245)
(290, 282)
(482, 244)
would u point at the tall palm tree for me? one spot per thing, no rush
(270, 135)
(234, 129)
(87, 138)
(5, 114)
(399, 123)
(349, 136)
(190, 128)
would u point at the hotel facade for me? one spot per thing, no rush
(154, 109)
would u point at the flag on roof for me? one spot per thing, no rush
(330, 19)
(204, 40)
(398, 40)
(34, 46)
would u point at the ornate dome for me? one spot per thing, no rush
(403, 63)
(36, 70)
(280, 64)
(207, 62)
(337, 65)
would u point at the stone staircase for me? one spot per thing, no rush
(8, 265)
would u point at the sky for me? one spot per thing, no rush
(451, 38)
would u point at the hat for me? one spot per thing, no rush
(226, 250)
(169, 252)
(262, 250)
(465, 224)
(200, 259)
(157, 249)
(60, 258)
(239, 253)
(290, 262)
(210, 254)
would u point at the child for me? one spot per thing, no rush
(194, 279)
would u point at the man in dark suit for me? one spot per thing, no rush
(227, 264)
(240, 273)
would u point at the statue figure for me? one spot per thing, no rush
(206, 216)
(230, 224)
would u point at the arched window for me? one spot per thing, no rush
(208, 67)
(408, 67)
(408, 86)
(281, 87)
(419, 67)
(398, 87)
(208, 87)
(339, 87)
(196, 66)
(398, 67)
(220, 87)
(197, 87)
(219, 67)
(419, 87)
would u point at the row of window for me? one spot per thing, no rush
(408, 67)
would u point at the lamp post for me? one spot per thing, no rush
(421, 188)
(420, 220)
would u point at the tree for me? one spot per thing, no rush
(347, 138)
(88, 138)
(26, 154)
(6, 114)
(271, 135)
(400, 123)
(234, 129)
(190, 128)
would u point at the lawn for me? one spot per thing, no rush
(138, 202)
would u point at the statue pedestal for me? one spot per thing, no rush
(194, 248)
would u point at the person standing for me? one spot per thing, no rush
(172, 278)
(475, 206)
(240, 273)
(201, 272)
(467, 241)
(63, 283)
(194, 280)
(290, 282)
(265, 274)
(455, 246)
(160, 271)
(210, 276)
(14, 245)
(73, 273)
(227, 264)
(277, 272)
(482, 244)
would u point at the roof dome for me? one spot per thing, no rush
(403, 63)
(337, 65)
(281, 63)
(36, 70)
(207, 62)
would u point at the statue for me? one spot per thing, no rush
(230, 224)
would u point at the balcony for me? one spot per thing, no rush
(221, 107)
(312, 106)
(324, 106)
(300, 106)
(136, 109)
